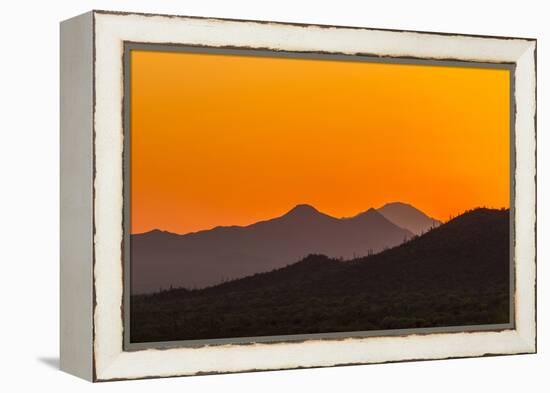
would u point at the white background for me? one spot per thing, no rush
(29, 204)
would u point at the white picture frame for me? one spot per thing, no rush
(92, 195)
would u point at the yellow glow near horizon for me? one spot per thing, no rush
(231, 140)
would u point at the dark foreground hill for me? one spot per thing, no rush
(197, 260)
(456, 274)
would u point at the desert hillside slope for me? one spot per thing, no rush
(456, 274)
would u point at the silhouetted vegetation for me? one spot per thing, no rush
(456, 274)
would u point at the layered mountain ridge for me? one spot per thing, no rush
(161, 259)
(454, 275)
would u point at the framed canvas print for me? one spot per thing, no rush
(245, 195)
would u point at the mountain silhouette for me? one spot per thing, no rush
(408, 217)
(161, 259)
(304, 211)
(454, 275)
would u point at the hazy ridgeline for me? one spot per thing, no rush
(456, 274)
(161, 260)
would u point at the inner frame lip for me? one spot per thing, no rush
(129, 46)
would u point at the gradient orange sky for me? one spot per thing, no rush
(231, 140)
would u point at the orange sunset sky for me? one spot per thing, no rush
(231, 140)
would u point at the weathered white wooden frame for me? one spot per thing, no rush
(92, 141)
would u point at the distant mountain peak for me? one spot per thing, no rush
(408, 217)
(302, 210)
(398, 204)
(368, 213)
(155, 231)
